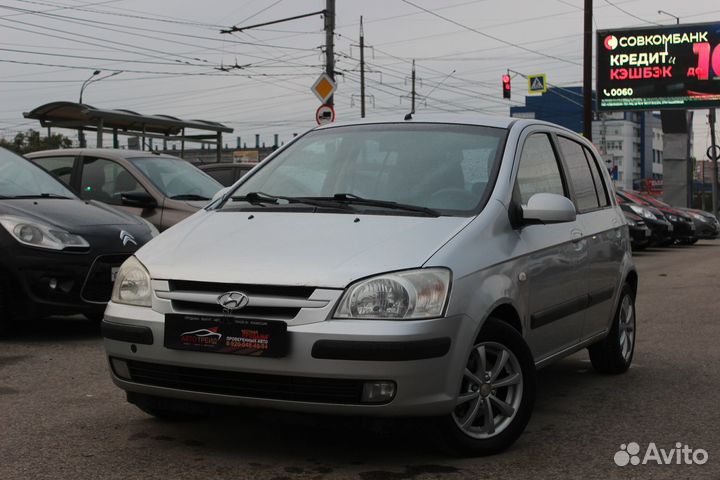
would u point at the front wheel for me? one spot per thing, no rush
(496, 396)
(614, 353)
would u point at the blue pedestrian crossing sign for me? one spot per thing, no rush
(537, 83)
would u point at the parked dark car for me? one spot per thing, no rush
(58, 253)
(640, 234)
(683, 225)
(707, 225)
(226, 173)
(160, 188)
(661, 229)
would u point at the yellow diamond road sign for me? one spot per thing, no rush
(323, 87)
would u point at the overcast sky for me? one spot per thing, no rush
(168, 51)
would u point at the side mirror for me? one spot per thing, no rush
(548, 208)
(138, 199)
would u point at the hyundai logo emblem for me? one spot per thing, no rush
(232, 300)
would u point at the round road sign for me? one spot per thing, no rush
(324, 114)
(716, 153)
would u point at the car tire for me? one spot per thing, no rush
(465, 431)
(614, 354)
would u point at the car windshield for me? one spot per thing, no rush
(20, 178)
(442, 168)
(177, 178)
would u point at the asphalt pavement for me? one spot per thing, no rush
(62, 418)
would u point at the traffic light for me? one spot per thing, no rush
(506, 86)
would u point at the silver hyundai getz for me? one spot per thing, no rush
(421, 267)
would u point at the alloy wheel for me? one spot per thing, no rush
(491, 391)
(626, 327)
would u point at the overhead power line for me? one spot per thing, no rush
(487, 35)
(630, 14)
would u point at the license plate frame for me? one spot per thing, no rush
(226, 335)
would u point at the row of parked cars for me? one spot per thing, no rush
(655, 223)
(71, 217)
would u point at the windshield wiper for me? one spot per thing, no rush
(352, 199)
(39, 195)
(189, 196)
(260, 198)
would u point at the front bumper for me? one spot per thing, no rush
(62, 282)
(427, 379)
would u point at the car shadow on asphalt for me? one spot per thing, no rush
(316, 443)
(53, 329)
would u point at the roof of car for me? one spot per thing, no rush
(455, 118)
(115, 153)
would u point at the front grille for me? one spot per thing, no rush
(283, 313)
(270, 290)
(273, 302)
(98, 284)
(253, 385)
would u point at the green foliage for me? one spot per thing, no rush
(31, 141)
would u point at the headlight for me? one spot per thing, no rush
(672, 218)
(697, 216)
(407, 295)
(153, 230)
(630, 222)
(38, 234)
(132, 285)
(643, 212)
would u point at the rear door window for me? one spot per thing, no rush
(600, 186)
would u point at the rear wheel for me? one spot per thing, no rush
(614, 353)
(496, 395)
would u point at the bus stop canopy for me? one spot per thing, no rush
(81, 117)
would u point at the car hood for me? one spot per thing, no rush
(283, 248)
(67, 213)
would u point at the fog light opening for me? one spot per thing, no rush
(378, 392)
(120, 367)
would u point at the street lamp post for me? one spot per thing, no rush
(91, 79)
(96, 72)
(677, 19)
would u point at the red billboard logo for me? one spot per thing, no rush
(611, 42)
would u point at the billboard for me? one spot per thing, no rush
(659, 68)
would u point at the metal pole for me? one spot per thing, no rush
(714, 172)
(218, 147)
(182, 144)
(329, 43)
(362, 69)
(412, 93)
(587, 72)
(99, 138)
